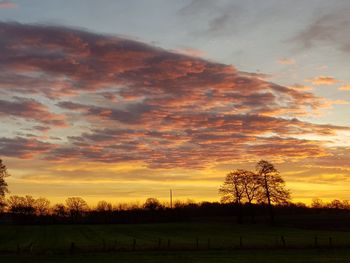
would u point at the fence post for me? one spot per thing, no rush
(72, 248)
(316, 241)
(31, 248)
(18, 249)
(103, 244)
(159, 243)
(208, 243)
(197, 243)
(134, 244)
(330, 242)
(115, 245)
(168, 243)
(283, 241)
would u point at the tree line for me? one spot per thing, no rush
(261, 192)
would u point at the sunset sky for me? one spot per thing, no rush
(124, 100)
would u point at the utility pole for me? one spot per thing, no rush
(171, 198)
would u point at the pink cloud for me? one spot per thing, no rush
(130, 101)
(31, 110)
(7, 5)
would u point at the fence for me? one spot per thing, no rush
(161, 244)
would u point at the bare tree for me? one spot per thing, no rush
(42, 206)
(76, 206)
(252, 186)
(317, 203)
(273, 185)
(232, 191)
(152, 204)
(59, 210)
(21, 205)
(104, 206)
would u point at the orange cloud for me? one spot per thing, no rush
(191, 52)
(345, 87)
(286, 61)
(324, 80)
(301, 87)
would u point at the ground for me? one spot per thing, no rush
(172, 242)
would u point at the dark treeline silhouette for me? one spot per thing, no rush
(248, 197)
(263, 186)
(27, 210)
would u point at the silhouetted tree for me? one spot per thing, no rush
(241, 186)
(335, 204)
(317, 203)
(104, 206)
(42, 206)
(232, 190)
(76, 206)
(273, 185)
(346, 204)
(21, 205)
(3, 185)
(252, 190)
(252, 186)
(152, 204)
(59, 210)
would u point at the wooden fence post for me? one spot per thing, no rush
(208, 243)
(134, 245)
(168, 243)
(72, 248)
(283, 241)
(197, 243)
(115, 245)
(240, 241)
(316, 241)
(103, 244)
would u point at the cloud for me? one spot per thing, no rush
(218, 18)
(191, 52)
(22, 147)
(329, 27)
(7, 5)
(286, 61)
(345, 87)
(301, 87)
(324, 80)
(31, 110)
(127, 101)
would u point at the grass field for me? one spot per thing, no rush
(173, 242)
(224, 256)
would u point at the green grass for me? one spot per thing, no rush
(261, 243)
(240, 256)
(58, 238)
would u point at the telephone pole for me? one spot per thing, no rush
(171, 198)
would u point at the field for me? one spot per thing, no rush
(241, 256)
(172, 242)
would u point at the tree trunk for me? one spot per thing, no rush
(272, 215)
(252, 212)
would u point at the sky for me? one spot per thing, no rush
(124, 100)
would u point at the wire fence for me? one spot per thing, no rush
(161, 244)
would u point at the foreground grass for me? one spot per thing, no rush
(214, 235)
(237, 256)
